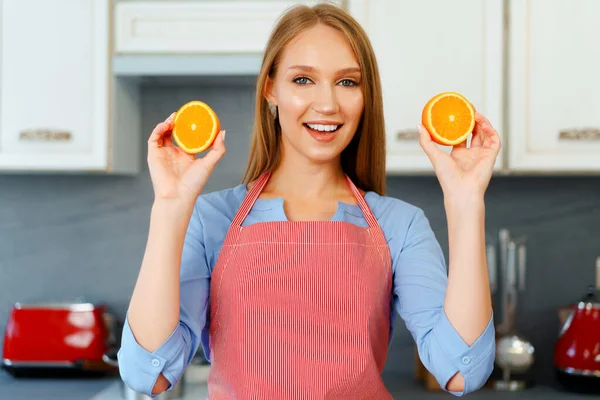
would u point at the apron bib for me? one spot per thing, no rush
(300, 309)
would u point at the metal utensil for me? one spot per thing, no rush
(514, 353)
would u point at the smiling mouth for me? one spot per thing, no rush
(323, 128)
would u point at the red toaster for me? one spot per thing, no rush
(59, 335)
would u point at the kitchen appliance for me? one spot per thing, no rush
(577, 350)
(58, 336)
(514, 353)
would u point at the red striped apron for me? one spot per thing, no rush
(300, 309)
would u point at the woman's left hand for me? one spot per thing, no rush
(466, 171)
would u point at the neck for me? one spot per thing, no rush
(303, 179)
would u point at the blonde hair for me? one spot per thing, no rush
(363, 160)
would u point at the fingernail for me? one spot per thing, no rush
(419, 128)
(224, 135)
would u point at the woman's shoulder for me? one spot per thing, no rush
(387, 207)
(212, 216)
(398, 219)
(219, 204)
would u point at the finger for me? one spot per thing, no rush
(158, 137)
(491, 136)
(428, 145)
(181, 153)
(167, 141)
(488, 133)
(478, 135)
(162, 130)
(460, 145)
(216, 152)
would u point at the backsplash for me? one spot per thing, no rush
(64, 236)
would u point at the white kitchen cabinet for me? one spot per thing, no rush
(196, 27)
(554, 107)
(430, 46)
(56, 90)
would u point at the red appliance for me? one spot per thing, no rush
(58, 335)
(577, 350)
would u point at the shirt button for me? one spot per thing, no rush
(156, 362)
(466, 360)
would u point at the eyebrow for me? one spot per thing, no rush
(308, 68)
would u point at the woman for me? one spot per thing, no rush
(290, 280)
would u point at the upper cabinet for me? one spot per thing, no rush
(192, 27)
(530, 66)
(430, 46)
(56, 89)
(554, 86)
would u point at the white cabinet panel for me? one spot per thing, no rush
(427, 47)
(554, 86)
(176, 27)
(55, 87)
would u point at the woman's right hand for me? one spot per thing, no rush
(175, 174)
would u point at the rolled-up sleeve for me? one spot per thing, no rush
(139, 368)
(420, 280)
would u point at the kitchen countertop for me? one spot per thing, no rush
(416, 391)
(109, 388)
(400, 390)
(52, 388)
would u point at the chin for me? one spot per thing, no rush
(322, 156)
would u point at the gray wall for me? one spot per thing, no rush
(84, 235)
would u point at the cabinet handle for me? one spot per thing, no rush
(46, 135)
(407, 135)
(579, 134)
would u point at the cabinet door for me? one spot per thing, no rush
(54, 70)
(430, 46)
(196, 27)
(554, 121)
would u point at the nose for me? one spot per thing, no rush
(325, 101)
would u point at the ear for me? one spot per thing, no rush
(269, 92)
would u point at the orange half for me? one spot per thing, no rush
(449, 117)
(195, 127)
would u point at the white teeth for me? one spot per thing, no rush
(323, 128)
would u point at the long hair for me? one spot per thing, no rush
(363, 160)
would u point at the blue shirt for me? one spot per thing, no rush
(419, 287)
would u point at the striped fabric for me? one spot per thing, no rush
(300, 309)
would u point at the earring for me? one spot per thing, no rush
(273, 109)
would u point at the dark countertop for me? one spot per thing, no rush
(409, 391)
(403, 391)
(401, 386)
(51, 388)
(404, 386)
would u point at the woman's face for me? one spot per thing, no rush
(317, 90)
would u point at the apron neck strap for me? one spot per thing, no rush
(261, 182)
(364, 207)
(250, 198)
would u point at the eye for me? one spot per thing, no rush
(348, 82)
(302, 80)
